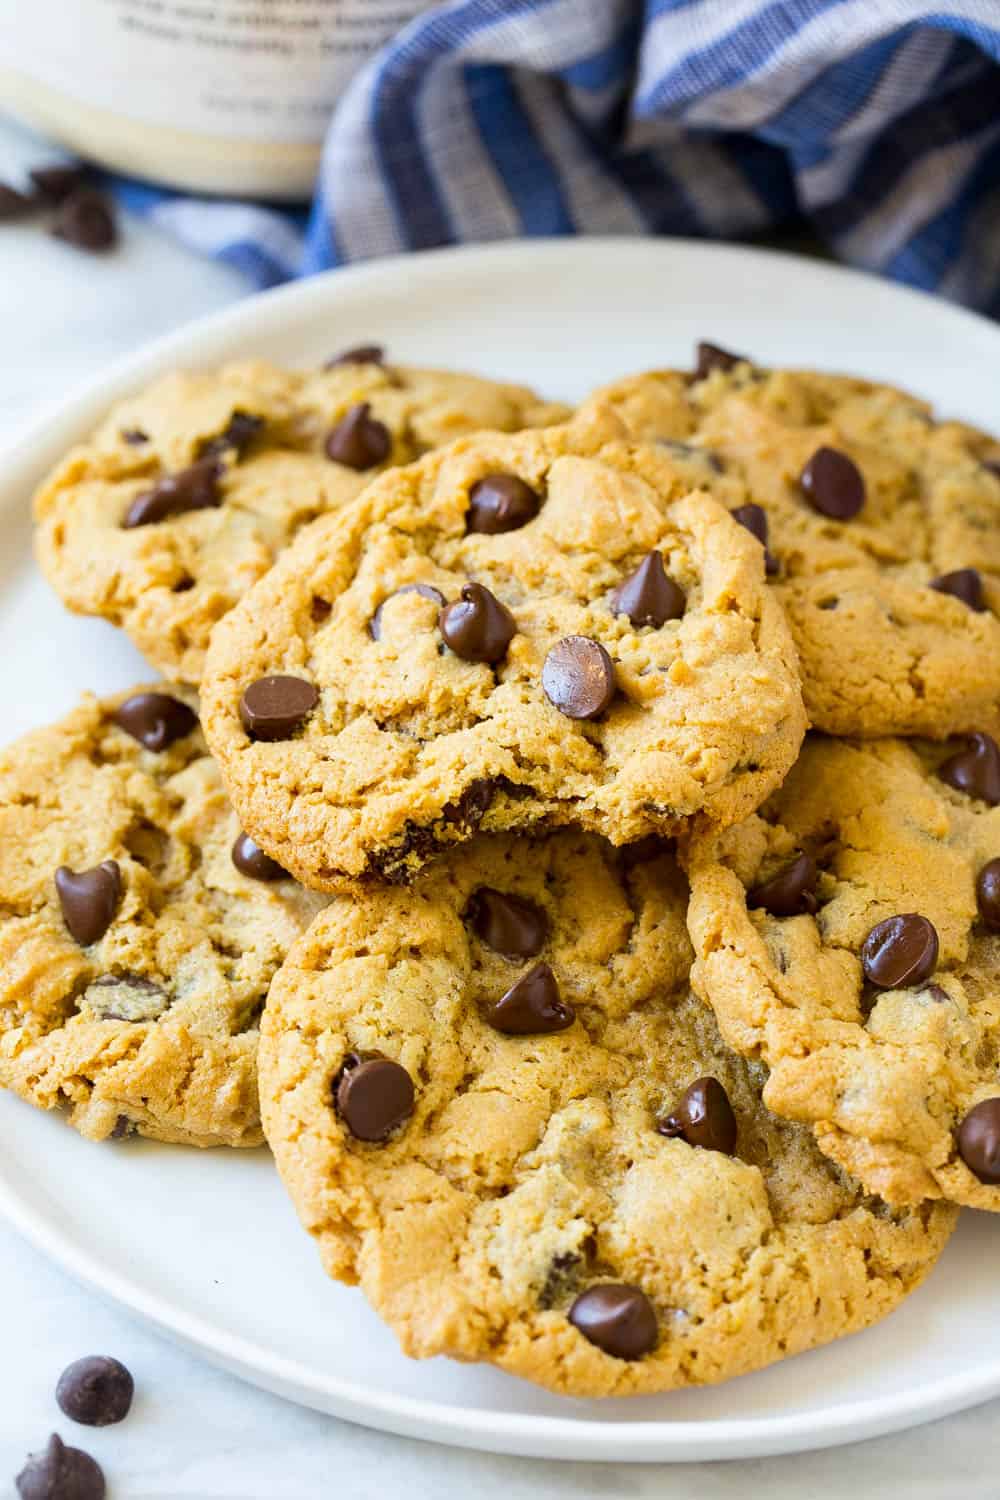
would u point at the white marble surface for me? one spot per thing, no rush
(196, 1433)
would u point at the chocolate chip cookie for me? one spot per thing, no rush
(881, 529)
(518, 630)
(139, 929)
(498, 1107)
(186, 493)
(849, 937)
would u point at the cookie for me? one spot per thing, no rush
(517, 630)
(849, 937)
(139, 929)
(882, 530)
(186, 494)
(498, 1107)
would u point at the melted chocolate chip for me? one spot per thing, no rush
(648, 596)
(703, 1116)
(788, 893)
(508, 924)
(833, 484)
(618, 1319)
(578, 677)
(86, 219)
(273, 708)
(134, 436)
(60, 1473)
(96, 1391)
(532, 1006)
(89, 899)
(425, 590)
(373, 1095)
(471, 806)
(359, 441)
(14, 205)
(250, 859)
(361, 354)
(900, 952)
(238, 434)
(988, 894)
(193, 488)
(501, 502)
(155, 719)
(965, 584)
(54, 184)
(975, 770)
(478, 627)
(711, 357)
(126, 997)
(754, 519)
(979, 1141)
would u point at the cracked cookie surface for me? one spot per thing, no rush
(267, 432)
(612, 660)
(147, 1018)
(518, 1191)
(884, 1044)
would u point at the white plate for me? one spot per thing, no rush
(204, 1245)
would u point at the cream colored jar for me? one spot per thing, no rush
(214, 96)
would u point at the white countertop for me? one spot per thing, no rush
(196, 1433)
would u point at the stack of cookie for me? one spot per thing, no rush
(606, 1026)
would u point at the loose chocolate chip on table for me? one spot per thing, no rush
(578, 677)
(478, 627)
(988, 894)
(14, 205)
(979, 1140)
(134, 436)
(96, 1391)
(532, 1006)
(648, 596)
(703, 1116)
(788, 893)
(510, 925)
(833, 484)
(193, 488)
(965, 584)
(54, 184)
(238, 434)
(250, 859)
(501, 502)
(359, 440)
(361, 354)
(900, 952)
(89, 899)
(85, 219)
(60, 1473)
(754, 518)
(425, 590)
(618, 1319)
(975, 770)
(155, 719)
(273, 708)
(373, 1095)
(710, 357)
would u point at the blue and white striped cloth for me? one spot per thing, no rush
(874, 122)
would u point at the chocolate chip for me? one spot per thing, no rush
(833, 484)
(788, 893)
(979, 1141)
(273, 708)
(472, 805)
(14, 205)
(123, 1129)
(359, 441)
(96, 1391)
(532, 1006)
(648, 596)
(618, 1319)
(126, 997)
(975, 770)
(85, 219)
(508, 924)
(478, 627)
(988, 894)
(361, 354)
(134, 436)
(237, 435)
(965, 584)
(578, 677)
(501, 502)
(250, 859)
(155, 719)
(373, 1095)
(710, 357)
(60, 1473)
(900, 952)
(89, 899)
(193, 488)
(703, 1116)
(754, 518)
(54, 184)
(425, 590)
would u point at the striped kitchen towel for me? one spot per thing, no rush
(874, 123)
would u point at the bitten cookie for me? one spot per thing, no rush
(497, 1106)
(518, 630)
(849, 937)
(186, 494)
(139, 929)
(882, 530)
